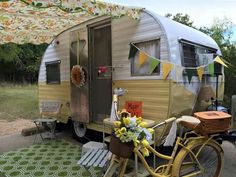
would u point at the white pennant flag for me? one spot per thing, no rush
(178, 72)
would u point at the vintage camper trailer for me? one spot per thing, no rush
(101, 47)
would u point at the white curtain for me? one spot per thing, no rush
(151, 48)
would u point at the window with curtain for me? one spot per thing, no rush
(151, 48)
(53, 72)
(194, 55)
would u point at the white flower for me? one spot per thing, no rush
(132, 122)
(148, 134)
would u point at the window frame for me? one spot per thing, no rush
(58, 81)
(136, 43)
(196, 45)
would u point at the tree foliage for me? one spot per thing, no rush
(181, 18)
(20, 63)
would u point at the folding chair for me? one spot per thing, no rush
(49, 112)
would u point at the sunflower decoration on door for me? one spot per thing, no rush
(78, 76)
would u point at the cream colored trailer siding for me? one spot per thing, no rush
(153, 92)
(61, 92)
(61, 51)
(57, 52)
(154, 95)
(57, 92)
(126, 30)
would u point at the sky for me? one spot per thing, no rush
(202, 12)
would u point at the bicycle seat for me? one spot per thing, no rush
(188, 122)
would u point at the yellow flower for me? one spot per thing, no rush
(145, 143)
(118, 133)
(126, 121)
(143, 124)
(116, 124)
(139, 120)
(122, 130)
(151, 130)
(136, 142)
(145, 152)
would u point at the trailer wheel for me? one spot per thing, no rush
(79, 131)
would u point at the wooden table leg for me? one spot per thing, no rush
(112, 167)
(123, 164)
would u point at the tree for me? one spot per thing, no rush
(181, 18)
(9, 61)
(220, 31)
(20, 63)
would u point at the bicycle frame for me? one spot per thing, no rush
(166, 170)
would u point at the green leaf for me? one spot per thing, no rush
(78, 9)
(39, 4)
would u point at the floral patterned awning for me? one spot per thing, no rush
(39, 21)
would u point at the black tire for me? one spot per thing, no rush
(210, 157)
(79, 131)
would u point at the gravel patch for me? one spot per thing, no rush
(14, 127)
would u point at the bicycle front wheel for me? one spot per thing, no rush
(210, 158)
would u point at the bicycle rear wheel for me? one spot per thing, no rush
(210, 158)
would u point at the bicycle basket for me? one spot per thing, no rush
(213, 122)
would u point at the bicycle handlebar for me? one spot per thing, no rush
(170, 120)
(164, 122)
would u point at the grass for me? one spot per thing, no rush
(18, 101)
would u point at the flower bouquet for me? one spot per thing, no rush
(130, 132)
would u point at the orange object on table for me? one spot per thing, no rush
(213, 121)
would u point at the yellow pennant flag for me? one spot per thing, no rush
(166, 69)
(218, 60)
(200, 72)
(142, 58)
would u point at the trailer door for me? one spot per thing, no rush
(101, 79)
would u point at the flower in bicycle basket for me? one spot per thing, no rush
(133, 129)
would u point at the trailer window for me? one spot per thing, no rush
(152, 48)
(196, 55)
(53, 72)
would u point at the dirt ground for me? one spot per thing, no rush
(14, 127)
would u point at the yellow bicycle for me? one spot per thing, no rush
(193, 155)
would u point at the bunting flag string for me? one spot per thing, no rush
(218, 60)
(200, 72)
(153, 64)
(132, 51)
(190, 73)
(142, 58)
(211, 69)
(166, 69)
(179, 71)
(167, 66)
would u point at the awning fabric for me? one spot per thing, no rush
(39, 21)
